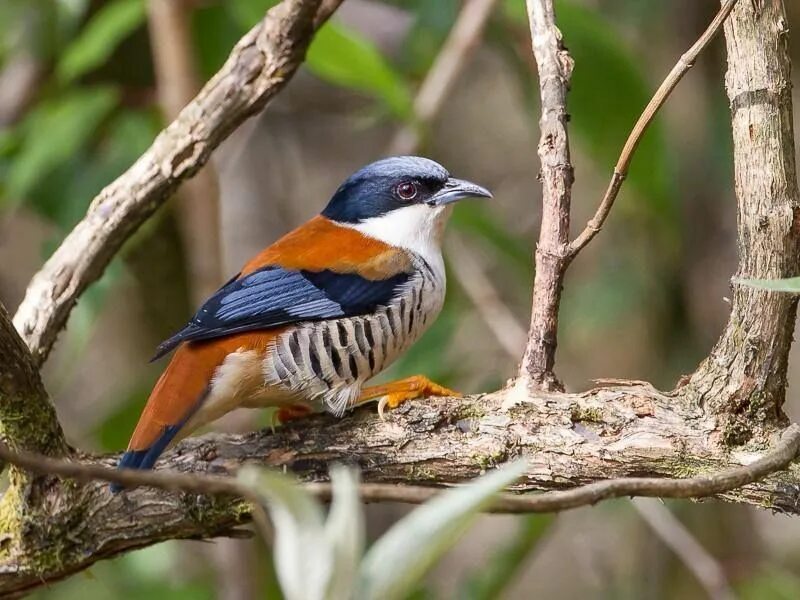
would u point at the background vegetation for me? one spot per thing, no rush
(79, 102)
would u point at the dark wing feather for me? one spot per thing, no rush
(274, 296)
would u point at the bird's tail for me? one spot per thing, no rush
(179, 392)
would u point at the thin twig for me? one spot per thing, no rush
(456, 50)
(656, 102)
(555, 69)
(675, 536)
(509, 331)
(695, 487)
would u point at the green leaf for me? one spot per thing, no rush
(247, 13)
(790, 284)
(302, 558)
(432, 23)
(313, 560)
(344, 533)
(496, 575)
(64, 193)
(54, 132)
(397, 561)
(114, 22)
(343, 57)
(215, 31)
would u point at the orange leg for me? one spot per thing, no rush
(293, 412)
(395, 393)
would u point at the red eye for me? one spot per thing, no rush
(406, 190)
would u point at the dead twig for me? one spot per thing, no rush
(680, 69)
(555, 70)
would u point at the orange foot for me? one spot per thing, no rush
(293, 412)
(395, 393)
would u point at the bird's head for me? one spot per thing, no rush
(402, 200)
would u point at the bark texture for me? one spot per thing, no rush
(555, 69)
(569, 440)
(28, 418)
(742, 383)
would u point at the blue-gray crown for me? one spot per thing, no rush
(393, 183)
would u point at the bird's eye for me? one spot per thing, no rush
(406, 190)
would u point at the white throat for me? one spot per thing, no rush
(418, 228)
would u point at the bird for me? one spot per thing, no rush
(310, 319)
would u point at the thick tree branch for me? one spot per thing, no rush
(704, 486)
(28, 419)
(569, 440)
(743, 381)
(259, 66)
(555, 69)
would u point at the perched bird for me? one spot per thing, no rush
(316, 314)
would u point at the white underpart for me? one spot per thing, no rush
(418, 228)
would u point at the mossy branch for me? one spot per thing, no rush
(28, 418)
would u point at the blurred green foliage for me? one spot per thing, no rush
(345, 58)
(496, 576)
(99, 38)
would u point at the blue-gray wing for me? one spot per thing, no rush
(275, 296)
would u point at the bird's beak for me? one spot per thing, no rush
(458, 189)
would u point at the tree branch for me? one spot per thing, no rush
(629, 431)
(556, 501)
(509, 332)
(259, 66)
(569, 441)
(555, 69)
(28, 419)
(743, 381)
(663, 92)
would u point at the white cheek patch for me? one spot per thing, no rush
(418, 228)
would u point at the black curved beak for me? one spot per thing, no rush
(458, 189)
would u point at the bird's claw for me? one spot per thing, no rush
(421, 387)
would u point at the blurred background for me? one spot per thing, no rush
(85, 85)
